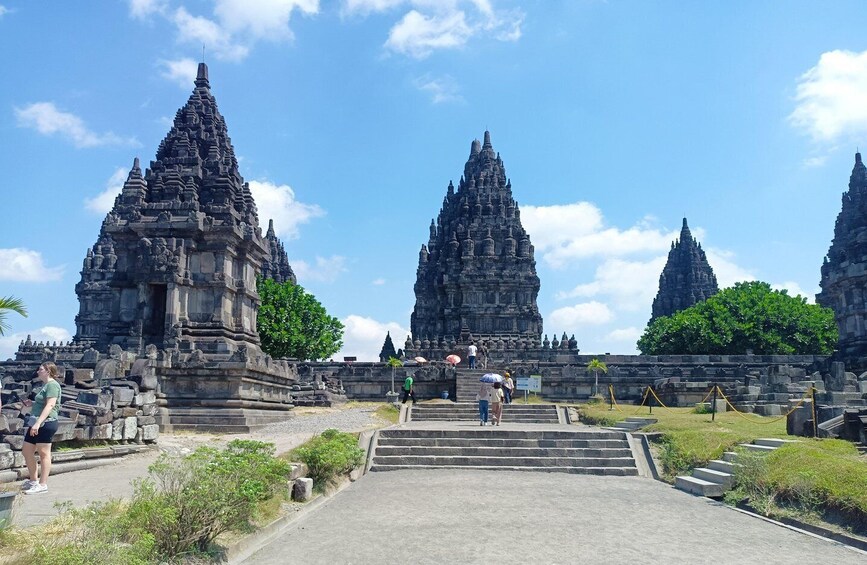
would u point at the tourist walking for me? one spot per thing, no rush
(408, 390)
(508, 388)
(497, 404)
(484, 398)
(41, 427)
(471, 355)
(483, 355)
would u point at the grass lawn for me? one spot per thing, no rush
(690, 439)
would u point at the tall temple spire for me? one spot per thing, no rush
(686, 279)
(478, 270)
(202, 76)
(842, 280)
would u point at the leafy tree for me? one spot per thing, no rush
(595, 366)
(749, 315)
(393, 362)
(292, 323)
(7, 304)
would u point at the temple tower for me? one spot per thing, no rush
(844, 278)
(176, 259)
(686, 279)
(276, 263)
(476, 275)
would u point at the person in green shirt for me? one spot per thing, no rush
(407, 390)
(42, 427)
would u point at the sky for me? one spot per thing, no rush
(615, 119)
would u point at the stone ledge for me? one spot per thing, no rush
(77, 460)
(839, 537)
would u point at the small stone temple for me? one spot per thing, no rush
(476, 276)
(844, 271)
(686, 279)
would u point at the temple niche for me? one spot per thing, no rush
(686, 279)
(476, 276)
(844, 278)
(176, 259)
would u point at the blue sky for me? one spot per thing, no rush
(614, 120)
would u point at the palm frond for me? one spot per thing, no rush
(7, 304)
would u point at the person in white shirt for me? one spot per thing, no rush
(471, 351)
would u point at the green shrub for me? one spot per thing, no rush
(187, 502)
(702, 408)
(329, 456)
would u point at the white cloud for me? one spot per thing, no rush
(9, 343)
(563, 234)
(103, 202)
(441, 89)
(439, 24)
(796, 290)
(325, 269)
(726, 270)
(378, 282)
(45, 118)
(199, 30)
(630, 334)
(181, 71)
(815, 162)
(3, 10)
(830, 97)
(25, 265)
(631, 285)
(278, 203)
(570, 317)
(142, 9)
(363, 337)
(418, 35)
(261, 19)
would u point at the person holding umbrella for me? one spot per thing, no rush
(484, 398)
(497, 403)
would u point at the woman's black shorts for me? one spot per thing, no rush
(46, 432)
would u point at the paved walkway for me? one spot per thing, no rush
(465, 516)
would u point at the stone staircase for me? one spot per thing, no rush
(467, 383)
(469, 411)
(632, 424)
(597, 452)
(717, 478)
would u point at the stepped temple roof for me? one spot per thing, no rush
(686, 279)
(176, 259)
(476, 275)
(844, 279)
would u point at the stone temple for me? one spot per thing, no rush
(176, 259)
(844, 276)
(686, 279)
(476, 276)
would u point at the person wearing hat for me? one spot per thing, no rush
(508, 387)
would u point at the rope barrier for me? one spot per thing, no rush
(786, 415)
(617, 406)
(653, 392)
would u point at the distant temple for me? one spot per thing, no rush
(476, 276)
(176, 259)
(686, 279)
(844, 278)
(387, 350)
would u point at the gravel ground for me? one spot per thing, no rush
(300, 425)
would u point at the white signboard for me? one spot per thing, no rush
(533, 383)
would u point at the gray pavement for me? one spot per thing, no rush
(466, 516)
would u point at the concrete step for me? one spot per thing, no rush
(723, 466)
(757, 448)
(505, 443)
(493, 461)
(609, 471)
(486, 451)
(713, 476)
(699, 487)
(490, 432)
(643, 421)
(730, 456)
(773, 442)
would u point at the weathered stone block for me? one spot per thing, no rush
(101, 432)
(117, 429)
(129, 412)
(143, 398)
(150, 432)
(302, 490)
(130, 426)
(149, 409)
(81, 375)
(66, 412)
(146, 420)
(123, 396)
(16, 442)
(145, 381)
(82, 433)
(7, 456)
(101, 400)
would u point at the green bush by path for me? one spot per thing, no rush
(329, 456)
